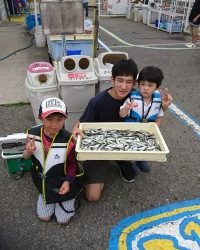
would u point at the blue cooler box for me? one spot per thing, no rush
(72, 47)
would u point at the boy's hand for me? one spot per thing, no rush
(125, 109)
(64, 188)
(30, 145)
(166, 98)
(131, 104)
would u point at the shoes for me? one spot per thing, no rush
(191, 45)
(135, 168)
(126, 171)
(143, 166)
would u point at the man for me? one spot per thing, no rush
(105, 107)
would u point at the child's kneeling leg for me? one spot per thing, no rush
(44, 211)
(65, 211)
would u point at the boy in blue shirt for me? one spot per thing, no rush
(145, 105)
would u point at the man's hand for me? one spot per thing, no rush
(64, 188)
(77, 131)
(166, 99)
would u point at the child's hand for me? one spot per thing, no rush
(166, 98)
(30, 145)
(64, 188)
(127, 106)
(130, 105)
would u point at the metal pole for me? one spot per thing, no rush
(95, 31)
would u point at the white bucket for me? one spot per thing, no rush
(38, 29)
(40, 40)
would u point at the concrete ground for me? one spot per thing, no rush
(175, 180)
(13, 69)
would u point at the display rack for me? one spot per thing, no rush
(169, 15)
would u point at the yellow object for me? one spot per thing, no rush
(18, 19)
(151, 127)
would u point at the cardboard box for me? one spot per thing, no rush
(124, 155)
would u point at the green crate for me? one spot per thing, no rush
(16, 163)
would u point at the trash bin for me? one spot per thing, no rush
(152, 16)
(137, 13)
(145, 13)
(76, 81)
(103, 68)
(129, 11)
(12, 147)
(40, 84)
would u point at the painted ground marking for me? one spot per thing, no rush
(174, 227)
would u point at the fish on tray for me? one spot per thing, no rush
(119, 140)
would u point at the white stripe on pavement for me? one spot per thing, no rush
(142, 46)
(189, 121)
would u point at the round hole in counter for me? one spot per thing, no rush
(113, 58)
(42, 79)
(84, 63)
(69, 64)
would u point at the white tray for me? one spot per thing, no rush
(124, 155)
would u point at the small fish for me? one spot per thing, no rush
(119, 140)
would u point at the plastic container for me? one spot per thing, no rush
(137, 13)
(30, 21)
(174, 26)
(127, 155)
(152, 16)
(129, 11)
(40, 40)
(40, 84)
(16, 165)
(73, 52)
(103, 68)
(56, 49)
(145, 13)
(76, 81)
